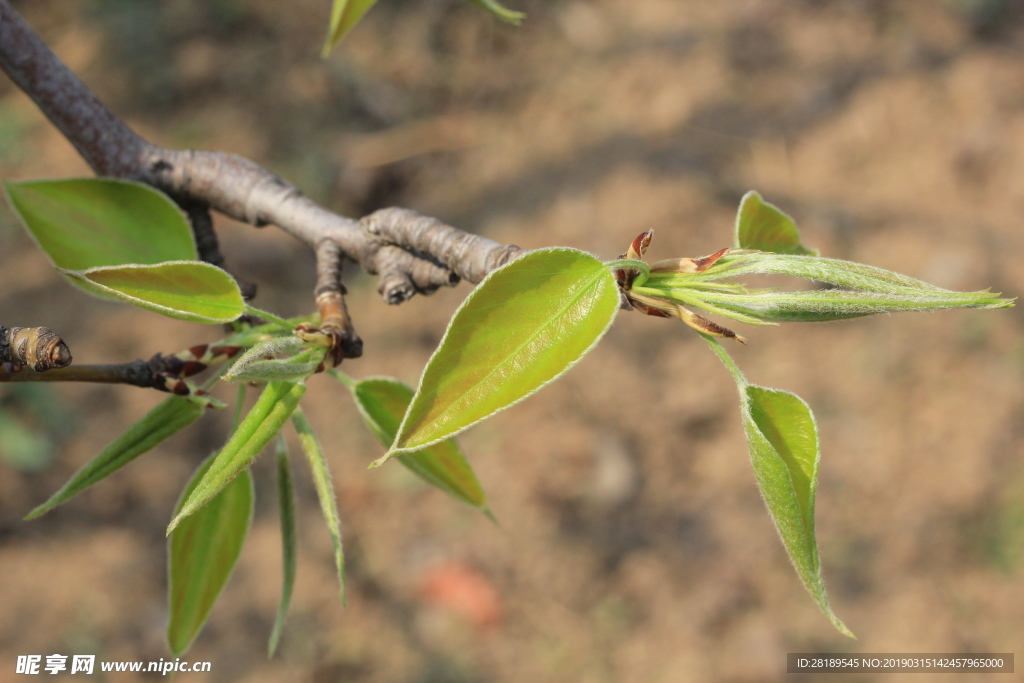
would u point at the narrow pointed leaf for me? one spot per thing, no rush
(783, 441)
(382, 401)
(202, 552)
(345, 14)
(324, 490)
(500, 11)
(186, 290)
(273, 408)
(833, 271)
(821, 305)
(762, 226)
(83, 223)
(525, 325)
(165, 420)
(286, 503)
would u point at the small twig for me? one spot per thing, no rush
(139, 373)
(208, 245)
(330, 300)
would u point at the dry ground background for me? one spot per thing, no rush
(633, 545)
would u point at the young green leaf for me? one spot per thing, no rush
(83, 223)
(345, 14)
(273, 408)
(201, 554)
(165, 420)
(186, 290)
(822, 305)
(500, 11)
(783, 441)
(324, 490)
(289, 344)
(762, 226)
(382, 401)
(286, 503)
(525, 325)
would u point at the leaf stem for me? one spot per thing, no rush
(730, 364)
(270, 317)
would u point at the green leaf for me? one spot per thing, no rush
(273, 408)
(523, 326)
(503, 13)
(821, 305)
(159, 424)
(762, 226)
(324, 490)
(83, 223)
(382, 401)
(783, 441)
(345, 14)
(202, 553)
(286, 502)
(186, 290)
(125, 241)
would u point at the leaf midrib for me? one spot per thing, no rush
(561, 311)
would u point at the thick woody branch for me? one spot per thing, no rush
(412, 253)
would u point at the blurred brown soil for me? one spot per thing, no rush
(633, 545)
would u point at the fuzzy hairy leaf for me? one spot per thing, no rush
(782, 438)
(522, 327)
(201, 554)
(286, 504)
(762, 226)
(164, 421)
(273, 408)
(382, 401)
(324, 490)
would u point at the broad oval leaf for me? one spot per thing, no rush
(186, 290)
(201, 554)
(324, 490)
(83, 223)
(382, 401)
(264, 421)
(762, 226)
(165, 420)
(783, 441)
(522, 327)
(345, 14)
